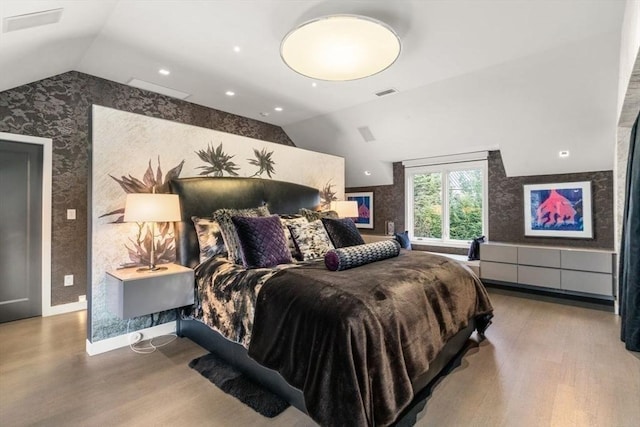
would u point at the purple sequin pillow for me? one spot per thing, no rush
(262, 241)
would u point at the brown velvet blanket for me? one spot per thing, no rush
(354, 341)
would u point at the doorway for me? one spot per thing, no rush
(21, 171)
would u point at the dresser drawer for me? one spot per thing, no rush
(498, 253)
(539, 276)
(499, 271)
(592, 283)
(539, 257)
(599, 262)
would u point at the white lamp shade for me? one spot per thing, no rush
(148, 207)
(345, 208)
(340, 48)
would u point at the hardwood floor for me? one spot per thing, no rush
(542, 364)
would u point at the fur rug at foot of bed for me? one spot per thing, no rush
(237, 385)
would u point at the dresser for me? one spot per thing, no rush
(584, 272)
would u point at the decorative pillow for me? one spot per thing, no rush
(209, 237)
(287, 220)
(262, 241)
(355, 256)
(311, 239)
(342, 232)
(403, 239)
(315, 215)
(229, 234)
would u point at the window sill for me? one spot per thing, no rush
(425, 242)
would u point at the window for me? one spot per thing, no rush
(446, 202)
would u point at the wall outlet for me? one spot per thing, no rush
(135, 337)
(82, 298)
(71, 214)
(68, 280)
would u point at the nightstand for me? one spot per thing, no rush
(131, 293)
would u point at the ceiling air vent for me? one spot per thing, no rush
(163, 90)
(386, 92)
(366, 134)
(30, 20)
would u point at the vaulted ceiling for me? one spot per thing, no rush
(527, 77)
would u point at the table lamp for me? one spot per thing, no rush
(152, 208)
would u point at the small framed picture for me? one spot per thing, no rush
(365, 208)
(390, 228)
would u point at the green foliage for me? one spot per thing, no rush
(427, 196)
(465, 205)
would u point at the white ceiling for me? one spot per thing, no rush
(529, 77)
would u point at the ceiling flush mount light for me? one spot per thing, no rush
(340, 48)
(563, 153)
(164, 71)
(230, 93)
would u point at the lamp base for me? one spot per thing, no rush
(150, 269)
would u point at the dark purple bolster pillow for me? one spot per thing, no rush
(355, 256)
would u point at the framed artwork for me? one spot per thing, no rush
(365, 208)
(558, 210)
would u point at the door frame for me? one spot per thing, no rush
(47, 167)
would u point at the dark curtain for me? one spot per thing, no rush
(629, 272)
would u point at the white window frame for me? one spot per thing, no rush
(444, 169)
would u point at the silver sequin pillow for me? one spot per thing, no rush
(209, 238)
(311, 239)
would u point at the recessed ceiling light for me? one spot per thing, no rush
(229, 93)
(564, 153)
(278, 108)
(368, 173)
(164, 71)
(236, 49)
(264, 114)
(314, 84)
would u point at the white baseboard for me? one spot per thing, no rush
(120, 341)
(64, 308)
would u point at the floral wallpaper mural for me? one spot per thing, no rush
(139, 247)
(218, 162)
(264, 162)
(123, 144)
(327, 195)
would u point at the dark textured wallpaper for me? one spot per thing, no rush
(506, 207)
(388, 202)
(58, 108)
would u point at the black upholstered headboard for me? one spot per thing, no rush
(201, 196)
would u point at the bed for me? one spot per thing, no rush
(368, 376)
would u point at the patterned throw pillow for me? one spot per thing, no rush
(311, 239)
(209, 238)
(287, 220)
(223, 218)
(355, 256)
(342, 232)
(262, 241)
(315, 215)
